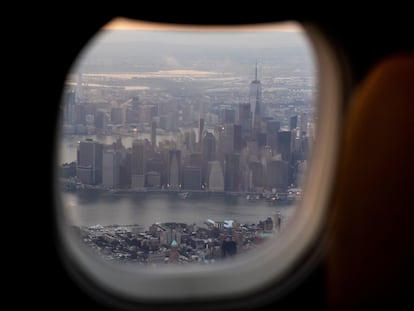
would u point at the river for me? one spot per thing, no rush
(91, 208)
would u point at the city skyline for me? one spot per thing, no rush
(235, 131)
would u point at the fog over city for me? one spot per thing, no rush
(149, 50)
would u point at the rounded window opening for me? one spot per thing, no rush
(186, 147)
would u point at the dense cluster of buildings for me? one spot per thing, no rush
(234, 148)
(178, 242)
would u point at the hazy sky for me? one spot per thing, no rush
(129, 45)
(128, 24)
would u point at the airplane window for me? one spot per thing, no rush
(184, 152)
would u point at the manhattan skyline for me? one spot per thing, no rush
(198, 116)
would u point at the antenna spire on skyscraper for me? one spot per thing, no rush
(255, 100)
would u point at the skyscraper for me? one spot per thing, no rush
(111, 167)
(284, 142)
(153, 135)
(238, 143)
(153, 179)
(89, 162)
(245, 117)
(125, 169)
(227, 115)
(293, 122)
(277, 174)
(100, 120)
(232, 172)
(256, 177)
(138, 163)
(272, 126)
(191, 178)
(69, 108)
(227, 138)
(209, 147)
(200, 130)
(174, 168)
(208, 154)
(255, 100)
(158, 165)
(216, 176)
(261, 139)
(303, 124)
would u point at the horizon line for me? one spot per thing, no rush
(121, 23)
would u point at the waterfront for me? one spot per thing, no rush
(160, 228)
(91, 208)
(88, 208)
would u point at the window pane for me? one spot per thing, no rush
(186, 145)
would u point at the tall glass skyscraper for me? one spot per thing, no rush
(255, 101)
